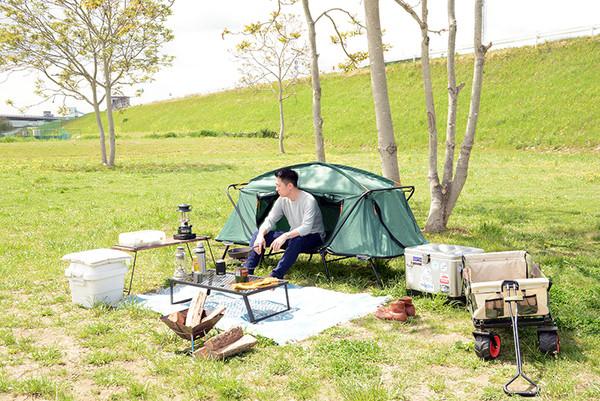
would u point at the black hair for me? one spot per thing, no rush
(287, 175)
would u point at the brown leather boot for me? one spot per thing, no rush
(408, 306)
(386, 314)
(398, 306)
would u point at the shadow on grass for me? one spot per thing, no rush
(569, 348)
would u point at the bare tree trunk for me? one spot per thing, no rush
(281, 118)
(453, 92)
(437, 219)
(462, 165)
(316, 84)
(100, 125)
(434, 180)
(111, 122)
(385, 130)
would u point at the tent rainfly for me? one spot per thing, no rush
(365, 215)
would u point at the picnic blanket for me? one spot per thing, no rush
(312, 309)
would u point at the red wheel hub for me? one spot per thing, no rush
(495, 346)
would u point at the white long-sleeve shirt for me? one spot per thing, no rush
(303, 214)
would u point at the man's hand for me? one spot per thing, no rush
(279, 241)
(259, 244)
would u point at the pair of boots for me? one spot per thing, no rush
(398, 310)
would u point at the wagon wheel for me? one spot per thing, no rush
(549, 342)
(487, 346)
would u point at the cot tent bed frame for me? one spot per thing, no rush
(325, 250)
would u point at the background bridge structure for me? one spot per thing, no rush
(46, 126)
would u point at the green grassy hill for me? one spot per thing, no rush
(547, 96)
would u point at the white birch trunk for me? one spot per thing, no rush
(316, 84)
(383, 115)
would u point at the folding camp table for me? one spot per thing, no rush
(214, 282)
(167, 242)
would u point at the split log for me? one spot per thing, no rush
(178, 317)
(226, 344)
(217, 311)
(241, 345)
(224, 339)
(194, 315)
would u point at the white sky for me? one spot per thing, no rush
(203, 64)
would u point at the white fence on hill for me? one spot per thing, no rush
(532, 40)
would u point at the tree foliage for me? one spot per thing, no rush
(272, 53)
(85, 49)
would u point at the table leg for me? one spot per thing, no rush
(251, 314)
(132, 273)
(211, 252)
(225, 251)
(287, 298)
(171, 286)
(249, 309)
(189, 251)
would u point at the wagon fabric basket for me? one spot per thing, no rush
(483, 277)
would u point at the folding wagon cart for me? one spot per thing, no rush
(506, 289)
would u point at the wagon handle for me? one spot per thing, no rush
(511, 288)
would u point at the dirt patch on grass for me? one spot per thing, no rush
(53, 337)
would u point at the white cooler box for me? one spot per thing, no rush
(436, 268)
(97, 276)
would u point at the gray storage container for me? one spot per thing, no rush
(436, 268)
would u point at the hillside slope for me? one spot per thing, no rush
(547, 96)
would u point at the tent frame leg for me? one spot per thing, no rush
(324, 261)
(371, 262)
(374, 267)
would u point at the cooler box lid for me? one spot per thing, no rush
(97, 257)
(87, 273)
(443, 250)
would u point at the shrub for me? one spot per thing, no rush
(5, 125)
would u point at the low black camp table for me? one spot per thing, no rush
(214, 282)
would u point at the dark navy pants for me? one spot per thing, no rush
(293, 247)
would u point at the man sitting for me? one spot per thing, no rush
(306, 225)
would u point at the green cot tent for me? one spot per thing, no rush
(365, 215)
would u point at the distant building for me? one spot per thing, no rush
(120, 102)
(47, 113)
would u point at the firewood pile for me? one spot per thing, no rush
(194, 323)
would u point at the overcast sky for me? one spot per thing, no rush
(203, 63)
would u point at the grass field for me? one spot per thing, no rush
(56, 199)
